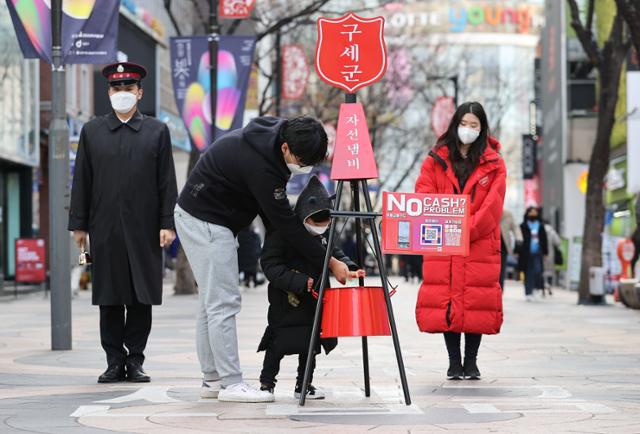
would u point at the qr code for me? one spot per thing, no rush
(453, 239)
(431, 235)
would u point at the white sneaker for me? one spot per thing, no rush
(312, 392)
(530, 298)
(243, 392)
(210, 389)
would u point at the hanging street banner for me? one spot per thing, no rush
(295, 71)
(192, 84)
(529, 156)
(425, 224)
(235, 9)
(89, 32)
(353, 154)
(351, 52)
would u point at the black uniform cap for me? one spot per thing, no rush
(124, 73)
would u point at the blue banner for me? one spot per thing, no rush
(192, 84)
(89, 32)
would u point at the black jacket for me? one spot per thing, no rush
(124, 191)
(525, 248)
(244, 174)
(290, 326)
(291, 306)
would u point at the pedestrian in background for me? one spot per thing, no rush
(510, 237)
(123, 194)
(553, 258)
(249, 250)
(532, 252)
(461, 294)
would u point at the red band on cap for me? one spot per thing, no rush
(124, 76)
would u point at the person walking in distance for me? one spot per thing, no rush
(122, 199)
(534, 249)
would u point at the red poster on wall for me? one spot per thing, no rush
(236, 9)
(441, 114)
(30, 260)
(425, 224)
(295, 71)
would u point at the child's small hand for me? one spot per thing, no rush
(309, 284)
(356, 274)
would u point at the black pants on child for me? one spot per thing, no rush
(271, 367)
(471, 345)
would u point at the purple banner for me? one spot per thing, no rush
(192, 84)
(89, 31)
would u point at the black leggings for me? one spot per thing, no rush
(471, 345)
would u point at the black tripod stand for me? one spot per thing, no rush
(368, 216)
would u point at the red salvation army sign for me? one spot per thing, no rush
(30, 260)
(351, 52)
(425, 224)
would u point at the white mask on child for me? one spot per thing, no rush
(316, 230)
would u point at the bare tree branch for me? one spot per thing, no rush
(585, 34)
(167, 6)
(305, 12)
(590, 14)
(630, 10)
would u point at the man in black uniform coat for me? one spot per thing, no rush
(124, 191)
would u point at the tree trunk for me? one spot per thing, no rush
(185, 282)
(598, 168)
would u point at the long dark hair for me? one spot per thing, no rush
(463, 167)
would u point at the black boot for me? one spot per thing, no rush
(455, 372)
(113, 374)
(135, 374)
(471, 371)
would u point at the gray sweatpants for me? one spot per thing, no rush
(212, 253)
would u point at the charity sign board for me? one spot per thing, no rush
(425, 224)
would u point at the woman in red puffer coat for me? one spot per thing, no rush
(462, 294)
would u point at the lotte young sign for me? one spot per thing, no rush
(351, 52)
(425, 224)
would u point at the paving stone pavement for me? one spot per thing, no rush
(556, 367)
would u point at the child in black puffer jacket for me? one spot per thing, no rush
(291, 303)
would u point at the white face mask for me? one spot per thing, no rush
(296, 169)
(316, 230)
(467, 135)
(123, 102)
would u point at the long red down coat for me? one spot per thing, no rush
(462, 294)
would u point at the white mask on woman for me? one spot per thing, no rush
(467, 135)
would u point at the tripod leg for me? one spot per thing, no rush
(365, 364)
(355, 189)
(383, 277)
(315, 332)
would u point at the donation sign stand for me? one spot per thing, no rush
(351, 54)
(30, 261)
(425, 224)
